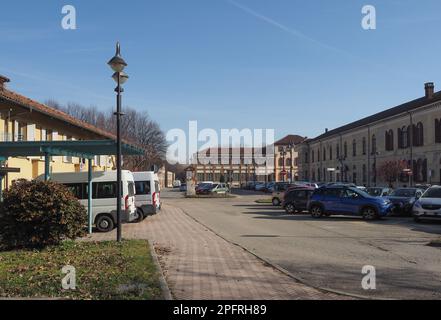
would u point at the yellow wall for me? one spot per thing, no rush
(32, 167)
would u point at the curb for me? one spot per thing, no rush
(284, 271)
(162, 282)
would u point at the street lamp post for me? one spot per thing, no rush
(118, 64)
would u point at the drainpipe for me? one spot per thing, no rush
(412, 167)
(369, 156)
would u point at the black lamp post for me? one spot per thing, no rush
(118, 64)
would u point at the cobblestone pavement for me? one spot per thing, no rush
(198, 264)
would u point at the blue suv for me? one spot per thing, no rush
(347, 201)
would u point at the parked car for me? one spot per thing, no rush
(203, 185)
(148, 193)
(270, 187)
(403, 200)
(278, 193)
(429, 205)
(219, 188)
(204, 189)
(379, 191)
(183, 187)
(260, 186)
(296, 200)
(104, 196)
(306, 184)
(347, 201)
(176, 184)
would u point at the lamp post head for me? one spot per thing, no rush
(117, 63)
(123, 77)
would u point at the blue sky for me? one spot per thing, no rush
(293, 66)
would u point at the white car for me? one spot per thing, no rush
(429, 205)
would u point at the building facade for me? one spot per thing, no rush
(23, 119)
(286, 159)
(234, 165)
(409, 133)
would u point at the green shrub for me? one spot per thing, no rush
(36, 214)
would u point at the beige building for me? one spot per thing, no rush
(233, 165)
(286, 159)
(23, 119)
(410, 132)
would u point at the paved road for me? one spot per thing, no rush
(329, 252)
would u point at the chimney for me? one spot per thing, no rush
(3, 81)
(430, 89)
(326, 130)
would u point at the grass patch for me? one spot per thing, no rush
(104, 271)
(266, 201)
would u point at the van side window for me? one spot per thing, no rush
(142, 187)
(105, 190)
(76, 189)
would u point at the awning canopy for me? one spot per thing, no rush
(81, 149)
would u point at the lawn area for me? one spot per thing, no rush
(104, 271)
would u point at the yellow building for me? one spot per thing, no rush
(23, 119)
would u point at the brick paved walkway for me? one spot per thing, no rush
(198, 264)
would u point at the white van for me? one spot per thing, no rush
(148, 192)
(104, 195)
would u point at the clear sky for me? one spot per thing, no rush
(293, 66)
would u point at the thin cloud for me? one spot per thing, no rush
(294, 32)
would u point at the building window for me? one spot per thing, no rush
(280, 162)
(374, 144)
(364, 146)
(319, 175)
(312, 156)
(324, 154)
(420, 170)
(418, 135)
(404, 137)
(288, 162)
(389, 138)
(330, 153)
(338, 151)
(354, 148)
(324, 174)
(437, 130)
(318, 155)
(364, 174)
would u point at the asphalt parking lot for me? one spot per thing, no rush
(330, 252)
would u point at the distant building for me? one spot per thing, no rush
(410, 132)
(233, 165)
(286, 158)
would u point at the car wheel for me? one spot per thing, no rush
(370, 213)
(276, 202)
(104, 223)
(316, 212)
(416, 219)
(290, 208)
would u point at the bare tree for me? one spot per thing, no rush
(136, 127)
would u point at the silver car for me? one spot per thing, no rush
(429, 205)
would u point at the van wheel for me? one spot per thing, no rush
(138, 216)
(276, 202)
(369, 213)
(316, 212)
(290, 208)
(104, 223)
